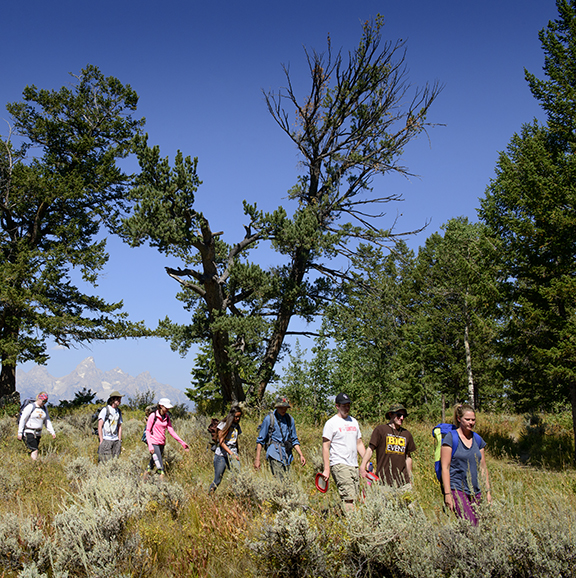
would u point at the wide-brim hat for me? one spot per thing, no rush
(115, 394)
(282, 401)
(165, 402)
(396, 408)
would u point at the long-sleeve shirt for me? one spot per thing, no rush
(284, 431)
(156, 427)
(33, 419)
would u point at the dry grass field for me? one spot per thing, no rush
(66, 516)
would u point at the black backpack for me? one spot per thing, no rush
(94, 419)
(24, 404)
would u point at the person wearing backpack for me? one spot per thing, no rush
(394, 446)
(277, 434)
(227, 449)
(159, 422)
(460, 466)
(110, 428)
(33, 418)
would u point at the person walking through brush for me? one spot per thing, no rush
(394, 447)
(277, 434)
(34, 417)
(158, 423)
(341, 442)
(460, 466)
(227, 450)
(110, 428)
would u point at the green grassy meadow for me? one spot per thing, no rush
(66, 516)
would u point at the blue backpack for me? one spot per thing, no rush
(439, 433)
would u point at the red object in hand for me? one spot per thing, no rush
(321, 483)
(372, 477)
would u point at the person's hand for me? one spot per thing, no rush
(151, 451)
(236, 457)
(20, 437)
(186, 447)
(449, 501)
(53, 436)
(362, 472)
(302, 460)
(257, 464)
(326, 474)
(489, 497)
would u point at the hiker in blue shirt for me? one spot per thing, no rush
(278, 434)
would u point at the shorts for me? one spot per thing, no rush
(32, 441)
(109, 449)
(347, 481)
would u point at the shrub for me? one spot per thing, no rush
(262, 488)
(21, 542)
(8, 428)
(288, 547)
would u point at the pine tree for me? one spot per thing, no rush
(531, 207)
(59, 186)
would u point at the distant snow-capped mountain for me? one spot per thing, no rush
(87, 375)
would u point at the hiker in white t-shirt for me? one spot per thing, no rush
(341, 444)
(34, 417)
(110, 428)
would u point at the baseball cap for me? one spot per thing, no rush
(166, 403)
(342, 398)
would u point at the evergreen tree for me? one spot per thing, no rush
(531, 207)
(453, 323)
(59, 186)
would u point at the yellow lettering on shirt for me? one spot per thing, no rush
(395, 444)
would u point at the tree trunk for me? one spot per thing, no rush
(573, 403)
(7, 379)
(471, 389)
(299, 266)
(231, 386)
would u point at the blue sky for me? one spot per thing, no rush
(200, 68)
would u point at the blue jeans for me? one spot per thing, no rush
(220, 465)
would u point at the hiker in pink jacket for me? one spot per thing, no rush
(158, 422)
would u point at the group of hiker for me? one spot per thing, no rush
(34, 416)
(462, 453)
(461, 459)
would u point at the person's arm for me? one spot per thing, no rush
(49, 425)
(365, 460)
(409, 466)
(326, 458)
(222, 442)
(149, 432)
(175, 435)
(296, 442)
(262, 435)
(484, 472)
(24, 418)
(361, 449)
(445, 461)
(257, 458)
(299, 452)
(100, 424)
(120, 431)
